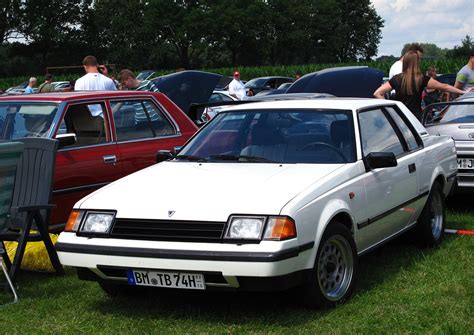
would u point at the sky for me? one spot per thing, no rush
(441, 22)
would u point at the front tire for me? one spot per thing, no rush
(431, 223)
(334, 274)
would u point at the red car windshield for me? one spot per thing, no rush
(25, 119)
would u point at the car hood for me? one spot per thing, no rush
(206, 191)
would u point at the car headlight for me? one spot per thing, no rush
(75, 218)
(245, 227)
(97, 222)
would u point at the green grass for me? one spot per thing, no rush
(402, 289)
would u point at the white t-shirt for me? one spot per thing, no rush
(237, 88)
(94, 82)
(396, 68)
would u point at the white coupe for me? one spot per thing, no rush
(268, 195)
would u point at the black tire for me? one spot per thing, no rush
(330, 283)
(431, 223)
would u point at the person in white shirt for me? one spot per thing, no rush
(237, 88)
(93, 80)
(397, 67)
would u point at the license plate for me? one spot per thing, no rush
(464, 163)
(193, 281)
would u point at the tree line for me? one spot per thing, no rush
(190, 34)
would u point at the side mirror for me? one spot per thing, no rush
(163, 155)
(377, 160)
(66, 139)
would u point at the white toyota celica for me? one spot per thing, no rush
(268, 195)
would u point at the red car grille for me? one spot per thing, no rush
(166, 230)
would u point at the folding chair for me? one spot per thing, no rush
(30, 207)
(10, 153)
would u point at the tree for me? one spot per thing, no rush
(49, 25)
(462, 51)
(9, 19)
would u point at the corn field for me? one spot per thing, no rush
(247, 73)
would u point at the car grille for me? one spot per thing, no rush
(166, 230)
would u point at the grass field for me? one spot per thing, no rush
(402, 289)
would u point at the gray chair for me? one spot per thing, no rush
(30, 206)
(10, 153)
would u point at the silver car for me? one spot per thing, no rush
(456, 119)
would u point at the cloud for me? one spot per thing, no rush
(441, 22)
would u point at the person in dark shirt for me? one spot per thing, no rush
(409, 84)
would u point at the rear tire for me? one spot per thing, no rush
(334, 273)
(431, 223)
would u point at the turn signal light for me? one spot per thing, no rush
(280, 228)
(73, 220)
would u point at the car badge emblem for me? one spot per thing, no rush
(171, 213)
(471, 135)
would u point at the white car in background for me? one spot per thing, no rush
(216, 97)
(296, 191)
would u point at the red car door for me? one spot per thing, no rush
(144, 125)
(88, 164)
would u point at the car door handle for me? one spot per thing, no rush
(110, 159)
(412, 168)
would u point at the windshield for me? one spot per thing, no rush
(25, 119)
(279, 136)
(459, 113)
(254, 83)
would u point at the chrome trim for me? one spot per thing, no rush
(87, 146)
(79, 188)
(149, 139)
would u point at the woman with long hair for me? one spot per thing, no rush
(409, 85)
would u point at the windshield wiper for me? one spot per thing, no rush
(191, 158)
(239, 157)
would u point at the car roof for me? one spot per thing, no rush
(272, 77)
(66, 96)
(320, 103)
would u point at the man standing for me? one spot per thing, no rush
(397, 67)
(465, 76)
(236, 87)
(130, 82)
(46, 86)
(31, 85)
(93, 80)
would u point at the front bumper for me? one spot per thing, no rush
(247, 266)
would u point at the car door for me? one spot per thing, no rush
(142, 127)
(391, 192)
(90, 162)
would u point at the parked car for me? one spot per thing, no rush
(216, 97)
(294, 192)
(103, 136)
(346, 81)
(61, 85)
(256, 85)
(456, 119)
(145, 75)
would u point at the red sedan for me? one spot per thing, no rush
(103, 135)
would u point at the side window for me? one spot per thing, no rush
(406, 131)
(377, 134)
(131, 120)
(161, 125)
(87, 122)
(139, 119)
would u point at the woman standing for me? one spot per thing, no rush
(409, 84)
